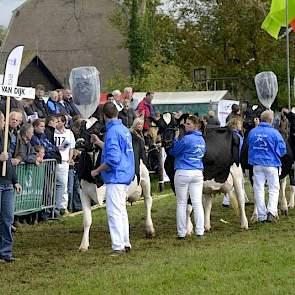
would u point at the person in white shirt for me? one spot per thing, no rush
(117, 100)
(65, 141)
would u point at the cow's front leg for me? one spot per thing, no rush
(87, 220)
(148, 201)
(189, 225)
(207, 204)
(283, 202)
(292, 194)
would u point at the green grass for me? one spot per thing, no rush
(229, 260)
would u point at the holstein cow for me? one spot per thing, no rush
(94, 189)
(222, 171)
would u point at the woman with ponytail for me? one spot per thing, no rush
(189, 151)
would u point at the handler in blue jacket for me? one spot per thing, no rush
(189, 152)
(266, 146)
(117, 170)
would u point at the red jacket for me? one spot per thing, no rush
(143, 108)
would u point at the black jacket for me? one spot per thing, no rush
(127, 117)
(40, 107)
(49, 131)
(213, 122)
(10, 177)
(139, 152)
(71, 108)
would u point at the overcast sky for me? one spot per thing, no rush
(6, 8)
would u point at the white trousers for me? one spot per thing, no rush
(62, 174)
(189, 183)
(116, 195)
(261, 175)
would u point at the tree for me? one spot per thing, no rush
(226, 36)
(135, 20)
(223, 36)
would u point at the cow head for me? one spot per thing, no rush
(88, 127)
(250, 114)
(167, 125)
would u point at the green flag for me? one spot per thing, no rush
(277, 17)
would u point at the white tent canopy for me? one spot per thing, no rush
(190, 97)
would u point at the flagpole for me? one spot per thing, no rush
(288, 57)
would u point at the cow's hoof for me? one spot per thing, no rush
(254, 218)
(150, 234)
(207, 228)
(291, 205)
(83, 249)
(284, 212)
(244, 227)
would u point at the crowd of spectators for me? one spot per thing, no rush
(43, 128)
(47, 128)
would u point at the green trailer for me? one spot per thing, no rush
(187, 102)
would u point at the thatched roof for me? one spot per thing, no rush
(65, 34)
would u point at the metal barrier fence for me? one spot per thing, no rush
(38, 184)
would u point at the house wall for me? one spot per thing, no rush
(67, 34)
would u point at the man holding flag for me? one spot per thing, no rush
(7, 183)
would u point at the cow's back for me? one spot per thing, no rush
(221, 151)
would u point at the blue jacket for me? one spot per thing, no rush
(51, 150)
(189, 151)
(118, 154)
(53, 107)
(266, 146)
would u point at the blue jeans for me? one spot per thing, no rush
(74, 191)
(6, 220)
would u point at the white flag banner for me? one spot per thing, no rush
(13, 63)
(224, 109)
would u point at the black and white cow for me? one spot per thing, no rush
(222, 171)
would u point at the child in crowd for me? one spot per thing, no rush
(40, 151)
